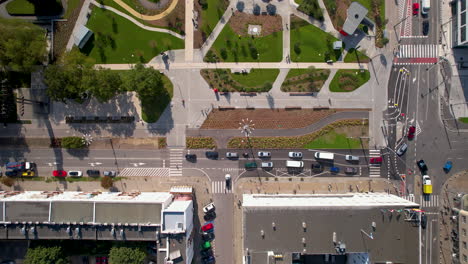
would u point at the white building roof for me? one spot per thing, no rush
(325, 200)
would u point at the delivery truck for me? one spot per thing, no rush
(324, 156)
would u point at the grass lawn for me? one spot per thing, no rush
(117, 40)
(311, 44)
(305, 80)
(211, 15)
(71, 5)
(463, 119)
(34, 7)
(229, 47)
(258, 80)
(348, 80)
(20, 7)
(356, 56)
(334, 140)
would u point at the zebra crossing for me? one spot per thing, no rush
(425, 201)
(417, 51)
(220, 187)
(374, 171)
(144, 172)
(175, 162)
(232, 169)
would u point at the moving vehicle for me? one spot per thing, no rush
(351, 170)
(110, 173)
(402, 149)
(209, 208)
(422, 166)
(93, 173)
(28, 174)
(425, 7)
(334, 169)
(18, 165)
(324, 155)
(191, 157)
(448, 166)
(294, 164)
(59, 173)
(317, 167)
(75, 173)
(295, 155)
(425, 27)
(423, 222)
(264, 154)
(415, 9)
(232, 155)
(227, 177)
(212, 154)
(411, 131)
(351, 158)
(376, 160)
(250, 165)
(267, 165)
(209, 227)
(427, 185)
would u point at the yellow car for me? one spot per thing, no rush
(28, 174)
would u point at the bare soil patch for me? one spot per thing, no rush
(311, 81)
(240, 22)
(63, 31)
(266, 118)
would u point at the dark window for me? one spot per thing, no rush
(463, 19)
(463, 5)
(463, 34)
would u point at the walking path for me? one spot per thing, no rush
(146, 17)
(188, 30)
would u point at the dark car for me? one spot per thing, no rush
(425, 28)
(317, 167)
(423, 220)
(191, 157)
(208, 236)
(351, 170)
(11, 173)
(206, 253)
(212, 155)
(210, 216)
(93, 173)
(334, 169)
(422, 165)
(209, 260)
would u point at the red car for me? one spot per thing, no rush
(59, 173)
(101, 260)
(207, 227)
(415, 9)
(411, 131)
(376, 160)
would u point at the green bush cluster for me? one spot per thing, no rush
(292, 142)
(311, 8)
(200, 143)
(73, 143)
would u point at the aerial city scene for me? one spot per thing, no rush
(233, 131)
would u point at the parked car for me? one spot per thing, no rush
(448, 166)
(351, 170)
(93, 173)
(376, 160)
(209, 260)
(209, 207)
(210, 216)
(207, 253)
(295, 155)
(411, 131)
(208, 227)
(317, 167)
(212, 154)
(191, 157)
(250, 165)
(334, 169)
(208, 236)
(267, 165)
(28, 174)
(232, 155)
(59, 173)
(402, 149)
(75, 173)
(110, 173)
(422, 165)
(206, 245)
(264, 154)
(415, 9)
(351, 158)
(11, 173)
(425, 27)
(102, 260)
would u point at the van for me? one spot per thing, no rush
(425, 6)
(294, 164)
(324, 155)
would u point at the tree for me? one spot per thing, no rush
(108, 83)
(126, 255)
(22, 45)
(106, 182)
(73, 143)
(146, 82)
(45, 255)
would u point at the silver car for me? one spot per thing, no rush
(402, 149)
(110, 173)
(232, 155)
(351, 158)
(264, 154)
(295, 155)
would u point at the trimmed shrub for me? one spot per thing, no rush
(107, 182)
(73, 143)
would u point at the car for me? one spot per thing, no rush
(101, 260)
(411, 131)
(209, 208)
(425, 28)
(8, 262)
(295, 155)
(208, 227)
(207, 253)
(75, 173)
(110, 173)
(415, 9)
(232, 155)
(267, 165)
(11, 173)
(28, 173)
(448, 166)
(402, 149)
(351, 158)
(422, 165)
(423, 220)
(206, 245)
(250, 165)
(93, 173)
(191, 157)
(227, 177)
(334, 169)
(209, 260)
(317, 167)
(376, 160)
(212, 155)
(59, 173)
(210, 216)
(264, 154)
(351, 170)
(208, 236)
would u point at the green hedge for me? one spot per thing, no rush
(73, 143)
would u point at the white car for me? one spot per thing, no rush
(232, 155)
(351, 158)
(264, 154)
(295, 155)
(267, 165)
(209, 208)
(75, 173)
(110, 173)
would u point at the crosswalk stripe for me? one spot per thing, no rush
(417, 51)
(219, 187)
(175, 162)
